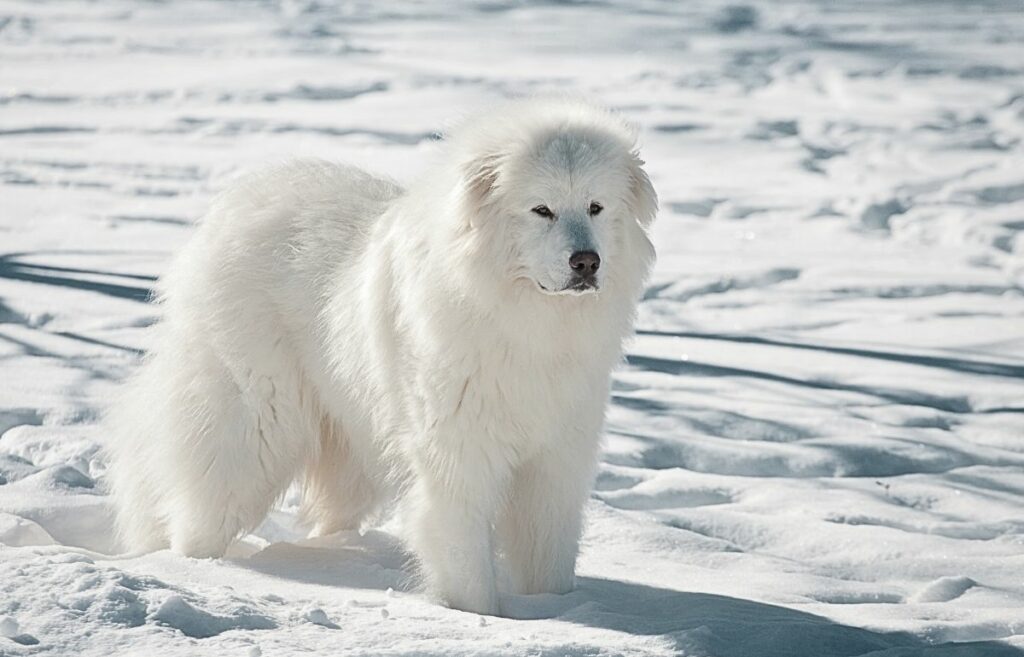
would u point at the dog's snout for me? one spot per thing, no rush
(585, 263)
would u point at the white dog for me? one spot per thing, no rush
(448, 346)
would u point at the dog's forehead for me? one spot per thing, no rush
(570, 148)
(577, 160)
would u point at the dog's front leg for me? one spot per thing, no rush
(540, 529)
(454, 501)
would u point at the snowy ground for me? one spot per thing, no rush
(817, 445)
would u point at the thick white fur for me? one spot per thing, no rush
(388, 344)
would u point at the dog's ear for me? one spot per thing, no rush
(480, 177)
(643, 200)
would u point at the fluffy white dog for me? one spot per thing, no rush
(448, 346)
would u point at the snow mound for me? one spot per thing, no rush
(944, 589)
(176, 612)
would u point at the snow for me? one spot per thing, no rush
(816, 446)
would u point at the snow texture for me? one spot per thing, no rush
(816, 445)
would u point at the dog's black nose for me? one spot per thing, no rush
(585, 263)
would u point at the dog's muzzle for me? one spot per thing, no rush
(577, 286)
(581, 284)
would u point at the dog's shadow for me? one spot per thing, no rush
(698, 623)
(373, 560)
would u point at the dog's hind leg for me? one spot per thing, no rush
(337, 493)
(138, 524)
(234, 443)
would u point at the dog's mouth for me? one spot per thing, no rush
(576, 287)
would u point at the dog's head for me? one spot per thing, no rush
(558, 190)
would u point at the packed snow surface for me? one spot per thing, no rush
(816, 445)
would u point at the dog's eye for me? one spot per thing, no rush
(543, 211)
(595, 209)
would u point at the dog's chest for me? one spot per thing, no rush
(520, 402)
